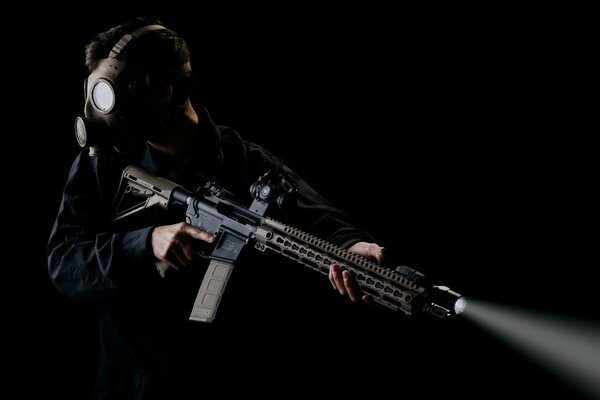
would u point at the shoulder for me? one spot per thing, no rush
(235, 146)
(243, 162)
(232, 145)
(246, 154)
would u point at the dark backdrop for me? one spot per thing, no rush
(448, 136)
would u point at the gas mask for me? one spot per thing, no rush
(118, 109)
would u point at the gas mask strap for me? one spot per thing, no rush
(118, 48)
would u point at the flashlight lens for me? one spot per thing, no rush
(460, 305)
(103, 96)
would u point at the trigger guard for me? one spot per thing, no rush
(206, 249)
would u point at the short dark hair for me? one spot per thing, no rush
(161, 52)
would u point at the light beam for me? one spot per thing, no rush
(568, 348)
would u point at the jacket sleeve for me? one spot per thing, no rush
(85, 260)
(311, 212)
(316, 215)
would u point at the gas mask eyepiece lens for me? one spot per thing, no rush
(103, 96)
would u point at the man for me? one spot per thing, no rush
(138, 112)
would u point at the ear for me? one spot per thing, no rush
(165, 94)
(160, 88)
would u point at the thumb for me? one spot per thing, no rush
(371, 251)
(377, 252)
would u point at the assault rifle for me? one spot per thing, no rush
(211, 209)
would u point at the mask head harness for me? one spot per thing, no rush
(119, 109)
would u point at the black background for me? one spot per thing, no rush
(452, 136)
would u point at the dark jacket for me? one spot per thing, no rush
(144, 318)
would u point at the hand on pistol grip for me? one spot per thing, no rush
(175, 245)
